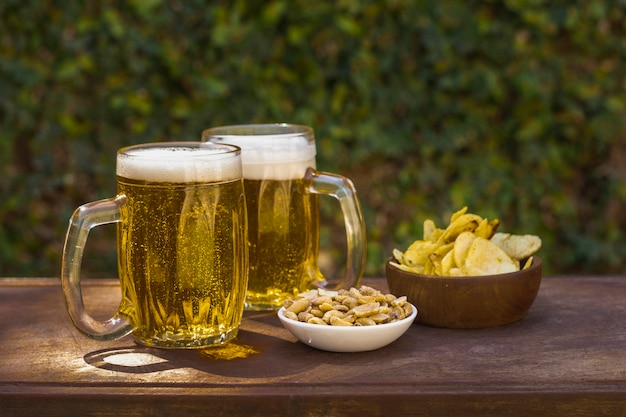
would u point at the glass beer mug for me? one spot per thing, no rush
(282, 186)
(181, 246)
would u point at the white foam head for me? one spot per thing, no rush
(272, 151)
(179, 162)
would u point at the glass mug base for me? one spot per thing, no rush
(171, 340)
(265, 302)
(274, 298)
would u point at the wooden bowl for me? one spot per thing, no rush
(468, 302)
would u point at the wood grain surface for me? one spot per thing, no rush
(567, 356)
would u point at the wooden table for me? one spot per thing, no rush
(567, 356)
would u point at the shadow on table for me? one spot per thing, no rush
(255, 362)
(263, 349)
(258, 352)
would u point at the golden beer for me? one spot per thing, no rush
(181, 249)
(282, 187)
(283, 235)
(283, 223)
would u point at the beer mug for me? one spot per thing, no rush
(181, 246)
(282, 187)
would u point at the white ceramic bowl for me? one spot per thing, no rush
(347, 339)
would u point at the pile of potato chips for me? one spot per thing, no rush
(469, 246)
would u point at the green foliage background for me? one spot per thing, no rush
(515, 108)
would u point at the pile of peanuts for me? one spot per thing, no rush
(365, 306)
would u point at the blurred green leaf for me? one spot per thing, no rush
(515, 108)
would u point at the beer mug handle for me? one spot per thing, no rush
(343, 190)
(83, 220)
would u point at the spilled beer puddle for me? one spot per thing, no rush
(229, 351)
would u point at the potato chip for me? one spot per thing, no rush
(469, 245)
(418, 252)
(462, 223)
(517, 246)
(398, 255)
(528, 263)
(461, 246)
(485, 256)
(431, 232)
(487, 229)
(466, 271)
(457, 214)
(447, 263)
